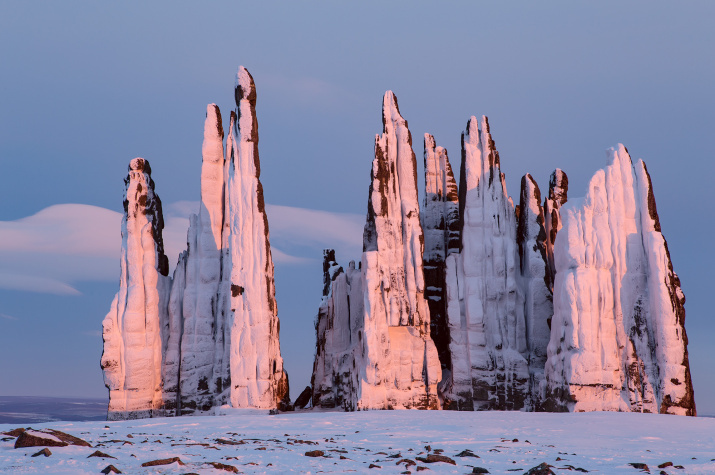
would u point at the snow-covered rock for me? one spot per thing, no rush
(256, 374)
(534, 304)
(374, 337)
(211, 337)
(618, 340)
(400, 366)
(558, 195)
(132, 330)
(202, 273)
(338, 327)
(487, 340)
(440, 221)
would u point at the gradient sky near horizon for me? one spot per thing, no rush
(87, 86)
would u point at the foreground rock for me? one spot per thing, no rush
(47, 438)
(618, 340)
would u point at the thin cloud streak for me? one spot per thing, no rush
(63, 244)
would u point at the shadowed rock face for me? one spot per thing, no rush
(440, 221)
(223, 293)
(615, 294)
(558, 195)
(534, 300)
(487, 339)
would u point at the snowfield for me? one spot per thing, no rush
(254, 442)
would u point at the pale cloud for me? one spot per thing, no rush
(54, 249)
(7, 317)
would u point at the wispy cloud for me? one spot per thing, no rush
(52, 250)
(7, 317)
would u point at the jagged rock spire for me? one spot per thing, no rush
(401, 367)
(133, 329)
(217, 327)
(618, 341)
(488, 371)
(202, 275)
(373, 332)
(440, 221)
(558, 195)
(339, 329)
(256, 367)
(534, 306)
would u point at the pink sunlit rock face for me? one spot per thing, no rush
(133, 329)
(387, 359)
(618, 340)
(212, 331)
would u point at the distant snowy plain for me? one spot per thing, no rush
(505, 442)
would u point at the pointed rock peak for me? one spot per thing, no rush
(245, 87)
(213, 128)
(391, 112)
(472, 130)
(140, 165)
(558, 186)
(429, 142)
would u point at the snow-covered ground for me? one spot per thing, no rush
(505, 442)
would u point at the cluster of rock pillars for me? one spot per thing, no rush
(467, 303)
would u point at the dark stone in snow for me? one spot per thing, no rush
(163, 462)
(46, 452)
(35, 439)
(432, 458)
(666, 464)
(467, 453)
(639, 466)
(111, 469)
(479, 470)
(304, 398)
(223, 466)
(97, 453)
(315, 453)
(543, 469)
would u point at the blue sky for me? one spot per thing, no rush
(87, 86)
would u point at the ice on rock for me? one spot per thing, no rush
(558, 195)
(202, 275)
(133, 330)
(489, 370)
(618, 340)
(440, 221)
(534, 299)
(257, 378)
(212, 336)
(388, 345)
(334, 379)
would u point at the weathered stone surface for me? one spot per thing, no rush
(534, 299)
(304, 398)
(132, 330)
(33, 438)
(211, 336)
(558, 195)
(374, 349)
(618, 339)
(440, 221)
(167, 461)
(334, 380)
(488, 369)
(46, 452)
